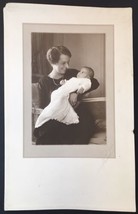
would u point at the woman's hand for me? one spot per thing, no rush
(73, 100)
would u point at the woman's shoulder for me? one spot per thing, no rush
(71, 72)
(45, 91)
(44, 81)
(44, 78)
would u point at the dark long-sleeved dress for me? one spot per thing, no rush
(54, 132)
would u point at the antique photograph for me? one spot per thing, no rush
(68, 77)
(68, 73)
(68, 88)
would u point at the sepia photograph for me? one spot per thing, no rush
(68, 88)
(68, 78)
(71, 93)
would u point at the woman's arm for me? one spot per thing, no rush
(95, 85)
(73, 99)
(44, 92)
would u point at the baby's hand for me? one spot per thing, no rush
(80, 90)
(62, 82)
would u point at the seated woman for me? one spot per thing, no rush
(59, 107)
(53, 131)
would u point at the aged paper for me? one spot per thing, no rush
(64, 181)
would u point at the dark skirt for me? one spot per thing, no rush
(54, 132)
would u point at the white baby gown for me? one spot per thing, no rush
(59, 108)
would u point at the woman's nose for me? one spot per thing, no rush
(67, 65)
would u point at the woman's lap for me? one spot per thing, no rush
(54, 132)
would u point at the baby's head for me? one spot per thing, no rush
(86, 72)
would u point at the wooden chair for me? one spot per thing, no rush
(35, 105)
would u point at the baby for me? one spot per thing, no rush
(85, 72)
(59, 108)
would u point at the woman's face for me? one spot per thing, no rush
(62, 64)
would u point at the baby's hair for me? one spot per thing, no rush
(53, 54)
(91, 71)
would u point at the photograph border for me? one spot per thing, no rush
(86, 151)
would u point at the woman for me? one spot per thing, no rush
(54, 132)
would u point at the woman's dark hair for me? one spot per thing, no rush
(53, 54)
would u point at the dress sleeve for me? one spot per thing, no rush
(95, 85)
(44, 92)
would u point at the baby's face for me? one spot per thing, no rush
(84, 73)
